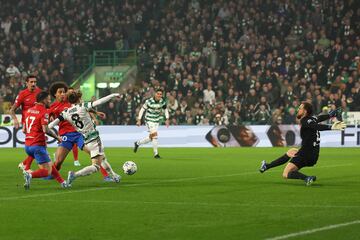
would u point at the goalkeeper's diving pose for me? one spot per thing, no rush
(308, 153)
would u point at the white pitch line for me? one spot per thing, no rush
(306, 232)
(219, 204)
(65, 191)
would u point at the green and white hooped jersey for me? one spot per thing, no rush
(78, 115)
(154, 110)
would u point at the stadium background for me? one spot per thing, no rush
(220, 62)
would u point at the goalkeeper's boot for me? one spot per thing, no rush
(263, 166)
(309, 180)
(136, 146)
(157, 156)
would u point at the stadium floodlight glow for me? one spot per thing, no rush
(114, 85)
(101, 85)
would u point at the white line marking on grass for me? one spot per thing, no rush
(64, 191)
(219, 204)
(297, 234)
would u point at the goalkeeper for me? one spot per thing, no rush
(308, 154)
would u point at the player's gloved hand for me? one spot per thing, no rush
(138, 122)
(338, 126)
(336, 113)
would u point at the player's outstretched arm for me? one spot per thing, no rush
(322, 117)
(51, 133)
(333, 113)
(54, 123)
(312, 123)
(105, 99)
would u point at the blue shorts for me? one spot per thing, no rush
(69, 139)
(39, 153)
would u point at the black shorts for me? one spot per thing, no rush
(304, 160)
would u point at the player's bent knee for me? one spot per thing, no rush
(292, 152)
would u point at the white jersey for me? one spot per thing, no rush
(78, 115)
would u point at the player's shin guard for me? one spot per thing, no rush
(144, 141)
(87, 170)
(296, 175)
(40, 173)
(280, 161)
(56, 175)
(27, 162)
(75, 152)
(155, 145)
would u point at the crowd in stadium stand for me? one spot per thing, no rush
(220, 62)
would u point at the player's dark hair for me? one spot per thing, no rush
(74, 97)
(41, 96)
(55, 86)
(30, 76)
(308, 107)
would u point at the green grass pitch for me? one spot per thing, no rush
(214, 193)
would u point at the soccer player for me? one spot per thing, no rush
(308, 154)
(78, 115)
(36, 121)
(153, 108)
(26, 99)
(71, 139)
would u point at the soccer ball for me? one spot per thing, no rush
(129, 167)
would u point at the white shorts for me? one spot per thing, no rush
(95, 147)
(152, 127)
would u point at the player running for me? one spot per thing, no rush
(308, 154)
(78, 115)
(26, 99)
(153, 108)
(71, 139)
(36, 121)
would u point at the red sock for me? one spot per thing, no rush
(103, 172)
(40, 173)
(75, 152)
(55, 173)
(27, 162)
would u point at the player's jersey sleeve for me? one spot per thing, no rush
(45, 118)
(146, 104)
(63, 115)
(19, 100)
(87, 105)
(309, 122)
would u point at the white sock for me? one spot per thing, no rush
(144, 141)
(106, 165)
(155, 145)
(87, 171)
